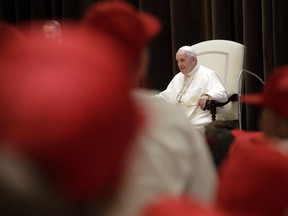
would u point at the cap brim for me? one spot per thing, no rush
(151, 24)
(256, 99)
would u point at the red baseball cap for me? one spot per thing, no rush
(274, 94)
(121, 22)
(68, 109)
(184, 206)
(253, 181)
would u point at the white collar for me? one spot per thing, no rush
(193, 71)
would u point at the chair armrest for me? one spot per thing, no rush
(213, 104)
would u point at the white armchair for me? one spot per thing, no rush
(226, 58)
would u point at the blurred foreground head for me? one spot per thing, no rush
(252, 183)
(273, 100)
(58, 108)
(258, 187)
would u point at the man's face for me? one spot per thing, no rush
(273, 125)
(51, 32)
(267, 122)
(185, 61)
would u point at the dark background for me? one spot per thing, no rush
(261, 25)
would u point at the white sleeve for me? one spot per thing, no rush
(216, 89)
(170, 93)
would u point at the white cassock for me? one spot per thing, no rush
(185, 90)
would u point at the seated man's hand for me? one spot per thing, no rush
(202, 101)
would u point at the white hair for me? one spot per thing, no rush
(188, 49)
(54, 23)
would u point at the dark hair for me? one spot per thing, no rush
(219, 141)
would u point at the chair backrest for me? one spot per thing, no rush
(226, 58)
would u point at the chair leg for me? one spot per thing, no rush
(213, 113)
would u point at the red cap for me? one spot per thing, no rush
(253, 181)
(244, 138)
(123, 23)
(68, 109)
(184, 206)
(274, 94)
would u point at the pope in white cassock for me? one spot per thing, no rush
(192, 87)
